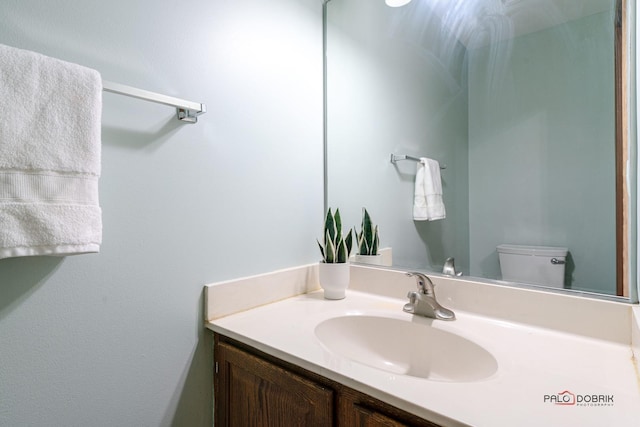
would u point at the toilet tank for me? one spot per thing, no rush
(542, 265)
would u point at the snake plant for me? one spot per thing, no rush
(368, 237)
(336, 248)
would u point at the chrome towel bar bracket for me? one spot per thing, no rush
(397, 157)
(187, 111)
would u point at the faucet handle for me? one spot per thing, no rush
(410, 306)
(412, 297)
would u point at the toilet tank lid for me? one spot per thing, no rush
(533, 250)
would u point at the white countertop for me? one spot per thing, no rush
(532, 362)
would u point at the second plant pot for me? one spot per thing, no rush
(369, 259)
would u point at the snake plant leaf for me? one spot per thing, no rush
(368, 239)
(321, 248)
(330, 250)
(329, 228)
(376, 241)
(338, 223)
(341, 247)
(367, 230)
(349, 242)
(363, 248)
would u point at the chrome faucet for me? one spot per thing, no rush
(423, 302)
(449, 268)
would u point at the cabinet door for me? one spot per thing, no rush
(252, 392)
(356, 409)
(363, 417)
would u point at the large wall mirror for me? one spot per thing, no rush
(524, 103)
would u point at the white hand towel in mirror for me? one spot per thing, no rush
(427, 202)
(49, 155)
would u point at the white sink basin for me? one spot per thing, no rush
(406, 347)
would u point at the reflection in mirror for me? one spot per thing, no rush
(518, 99)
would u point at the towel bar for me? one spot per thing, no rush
(187, 111)
(397, 157)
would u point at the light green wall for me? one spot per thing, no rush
(541, 149)
(116, 338)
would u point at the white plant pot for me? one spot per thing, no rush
(334, 279)
(369, 259)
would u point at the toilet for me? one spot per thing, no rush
(542, 265)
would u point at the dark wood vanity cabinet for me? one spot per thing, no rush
(253, 389)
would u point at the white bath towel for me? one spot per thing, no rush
(427, 202)
(49, 155)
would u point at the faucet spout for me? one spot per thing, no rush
(423, 302)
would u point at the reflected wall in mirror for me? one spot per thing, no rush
(517, 98)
